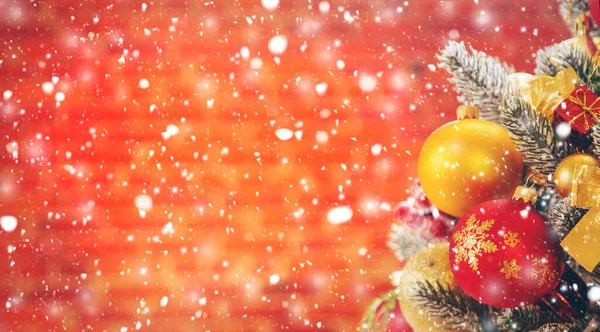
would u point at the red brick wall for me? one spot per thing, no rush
(237, 217)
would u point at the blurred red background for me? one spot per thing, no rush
(237, 237)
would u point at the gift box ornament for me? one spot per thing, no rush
(545, 93)
(581, 109)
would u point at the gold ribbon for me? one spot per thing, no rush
(545, 93)
(591, 110)
(583, 241)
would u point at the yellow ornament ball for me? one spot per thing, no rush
(468, 162)
(429, 264)
(563, 176)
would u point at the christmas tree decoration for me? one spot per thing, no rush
(545, 93)
(385, 314)
(480, 80)
(582, 241)
(563, 176)
(419, 224)
(430, 264)
(581, 109)
(569, 299)
(510, 273)
(467, 162)
(503, 254)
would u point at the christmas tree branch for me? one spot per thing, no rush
(565, 216)
(596, 140)
(479, 79)
(568, 55)
(526, 318)
(378, 314)
(450, 307)
(577, 325)
(533, 135)
(405, 241)
(543, 60)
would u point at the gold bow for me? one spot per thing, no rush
(545, 93)
(591, 110)
(583, 241)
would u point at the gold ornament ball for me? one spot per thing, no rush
(429, 264)
(563, 176)
(468, 162)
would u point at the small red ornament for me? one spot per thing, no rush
(581, 109)
(503, 254)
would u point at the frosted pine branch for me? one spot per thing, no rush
(568, 55)
(534, 136)
(451, 308)
(596, 140)
(479, 79)
(526, 318)
(565, 216)
(405, 241)
(544, 65)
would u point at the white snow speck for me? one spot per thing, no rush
(256, 63)
(270, 4)
(143, 202)
(171, 131)
(339, 215)
(48, 88)
(284, 134)
(8, 223)
(13, 149)
(593, 293)
(322, 137)
(7, 94)
(278, 44)
(274, 279)
(164, 301)
(563, 130)
(144, 83)
(367, 83)
(324, 6)
(340, 64)
(321, 88)
(245, 53)
(376, 149)
(59, 96)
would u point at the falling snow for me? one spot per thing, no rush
(221, 163)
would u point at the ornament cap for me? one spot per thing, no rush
(528, 195)
(467, 112)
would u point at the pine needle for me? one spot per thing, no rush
(479, 79)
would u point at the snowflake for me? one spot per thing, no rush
(472, 241)
(544, 274)
(511, 239)
(510, 269)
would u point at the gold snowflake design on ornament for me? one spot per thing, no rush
(542, 271)
(472, 242)
(511, 269)
(511, 239)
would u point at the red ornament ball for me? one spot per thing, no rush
(503, 254)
